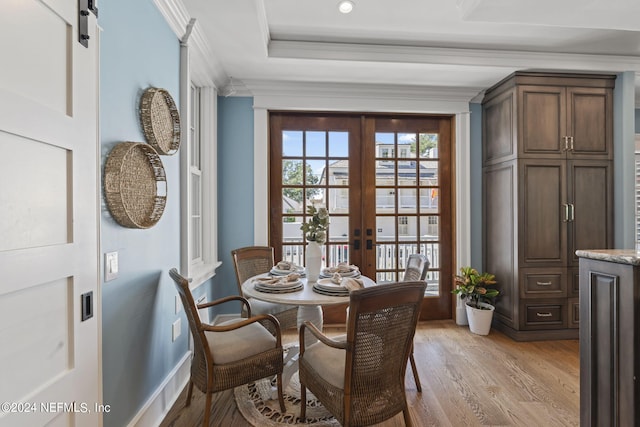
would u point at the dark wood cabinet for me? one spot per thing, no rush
(609, 338)
(547, 192)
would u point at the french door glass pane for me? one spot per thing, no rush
(292, 143)
(428, 172)
(339, 228)
(338, 172)
(338, 144)
(291, 229)
(314, 171)
(338, 200)
(316, 144)
(429, 228)
(385, 200)
(386, 228)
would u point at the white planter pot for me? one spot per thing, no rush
(480, 320)
(313, 261)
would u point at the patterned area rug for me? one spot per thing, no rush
(256, 406)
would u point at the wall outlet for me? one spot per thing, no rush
(176, 329)
(110, 266)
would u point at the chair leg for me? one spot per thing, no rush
(207, 410)
(407, 417)
(303, 402)
(280, 396)
(189, 393)
(415, 371)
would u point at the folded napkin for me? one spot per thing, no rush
(289, 278)
(352, 284)
(342, 267)
(286, 265)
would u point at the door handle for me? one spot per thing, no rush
(570, 143)
(566, 212)
(566, 143)
(572, 214)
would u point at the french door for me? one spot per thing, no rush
(386, 182)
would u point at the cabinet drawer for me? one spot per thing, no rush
(543, 283)
(544, 315)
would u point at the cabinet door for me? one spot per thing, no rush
(591, 194)
(542, 218)
(589, 122)
(541, 119)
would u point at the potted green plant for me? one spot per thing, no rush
(475, 290)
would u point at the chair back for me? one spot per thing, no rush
(201, 352)
(250, 261)
(380, 329)
(417, 267)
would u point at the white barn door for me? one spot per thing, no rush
(49, 210)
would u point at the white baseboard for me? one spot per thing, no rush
(156, 408)
(461, 315)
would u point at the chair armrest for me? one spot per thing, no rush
(243, 300)
(245, 322)
(320, 336)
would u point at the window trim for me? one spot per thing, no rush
(205, 268)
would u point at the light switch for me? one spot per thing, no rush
(110, 266)
(175, 330)
(178, 304)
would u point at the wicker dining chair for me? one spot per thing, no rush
(416, 269)
(251, 261)
(360, 378)
(232, 353)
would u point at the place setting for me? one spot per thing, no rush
(284, 268)
(278, 284)
(343, 279)
(343, 269)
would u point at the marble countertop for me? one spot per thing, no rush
(620, 256)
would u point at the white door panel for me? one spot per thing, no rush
(49, 210)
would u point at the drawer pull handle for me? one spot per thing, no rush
(547, 314)
(543, 283)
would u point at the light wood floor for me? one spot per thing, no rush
(467, 380)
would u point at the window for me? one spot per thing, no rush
(198, 192)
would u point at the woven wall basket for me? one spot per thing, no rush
(160, 120)
(135, 185)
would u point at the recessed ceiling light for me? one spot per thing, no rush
(345, 6)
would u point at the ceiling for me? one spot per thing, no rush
(457, 45)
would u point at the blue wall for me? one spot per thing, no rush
(138, 50)
(235, 186)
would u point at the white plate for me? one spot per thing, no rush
(328, 285)
(321, 291)
(279, 285)
(325, 273)
(278, 272)
(272, 290)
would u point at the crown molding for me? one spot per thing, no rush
(206, 70)
(263, 24)
(318, 96)
(362, 90)
(453, 56)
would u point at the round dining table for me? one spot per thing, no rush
(309, 305)
(309, 302)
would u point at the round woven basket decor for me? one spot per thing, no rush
(160, 120)
(135, 185)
